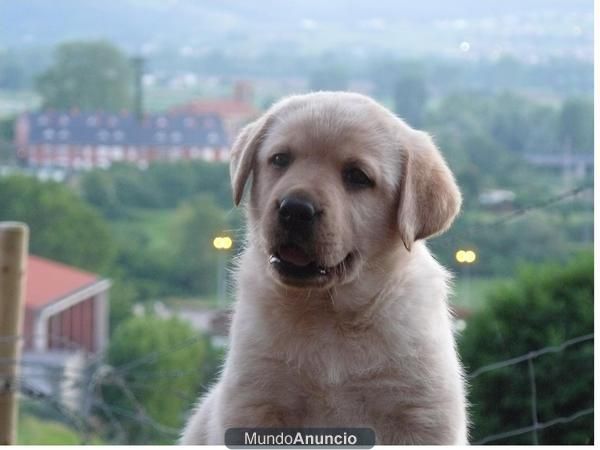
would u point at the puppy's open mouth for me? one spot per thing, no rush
(293, 263)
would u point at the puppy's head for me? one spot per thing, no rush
(338, 182)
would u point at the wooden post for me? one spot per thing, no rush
(13, 258)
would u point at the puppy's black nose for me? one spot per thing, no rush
(296, 211)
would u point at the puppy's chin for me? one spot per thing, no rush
(311, 275)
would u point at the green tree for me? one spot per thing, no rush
(410, 98)
(538, 237)
(162, 185)
(98, 189)
(7, 148)
(385, 72)
(127, 196)
(544, 306)
(520, 125)
(62, 226)
(123, 187)
(150, 273)
(87, 75)
(12, 74)
(576, 125)
(184, 180)
(195, 262)
(7, 129)
(158, 367)
(513, 122)
(122, 297)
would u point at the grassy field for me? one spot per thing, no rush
(207, 302)
(35, 431)
(154, 225)
(15, 102)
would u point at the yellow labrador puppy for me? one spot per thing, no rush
(341, 317)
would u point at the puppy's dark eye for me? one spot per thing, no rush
(356, 178)
(281, 160)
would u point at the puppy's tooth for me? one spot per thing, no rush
(274, 259)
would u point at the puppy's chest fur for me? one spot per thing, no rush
(350, 369)
(343, 359)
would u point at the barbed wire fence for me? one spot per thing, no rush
(117, 415)
(96, 374)
(454, 240)
(530, 358)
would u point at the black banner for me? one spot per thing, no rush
(299, 438)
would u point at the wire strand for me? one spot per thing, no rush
(533, 354)
(535, 427)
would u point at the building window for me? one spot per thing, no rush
(212, 138)
(48, 134)
(63, 135)
(103, 135)
(113, 121)
(162, 122)
(176, 137)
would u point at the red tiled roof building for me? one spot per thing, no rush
(235, 112)
(65, 308)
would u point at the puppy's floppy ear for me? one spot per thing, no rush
(243, 154)
(429, 196)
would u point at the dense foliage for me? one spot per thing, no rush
(544, 306)
(62, 226)
(92, 75)
(156, 367)
(171, 255)
(124, 187)
(485, 139)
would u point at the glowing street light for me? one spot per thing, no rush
(222, 243)
(466, 256)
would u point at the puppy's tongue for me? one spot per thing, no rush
(294, 255)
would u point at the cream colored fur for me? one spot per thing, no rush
(372, 347)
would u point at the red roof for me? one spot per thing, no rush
(224, 108)
(48, 281)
